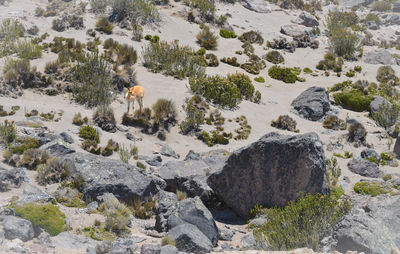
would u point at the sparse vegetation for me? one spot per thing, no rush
(274, 57)
(27, 49)
(104, 117)
(330, 62)
(136, 11)
(103, 25)
(8, 132)
(225, 33)
(287, 75)
(259, 79)
(381, 6)
(334, 123)
(89, 133)
(10, 30)
(386, 74)
(17, 70)
(207, 39)
(195, 111)
(285, 122)
(164, 112)
(386, 116)
(372, 188)
(54, 171)
(78, 120)
(251, 37)
(172, 60)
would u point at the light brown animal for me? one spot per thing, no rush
(135, 93)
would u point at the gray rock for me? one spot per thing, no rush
(364, 168)
(17, 228)
(14, 177)
(154, 161)
(168, 249)
(103, 175)
(92, 206)
(226, 234)
(67, 138)
(192, 156)
(103, 247)
(166, 150)
(378, 101)
(379, 56)
(271, 172)
(123, 246)
(196, 186)
(293, 30)
(258, 222)
(44, 239)
(396, 149)
(367, 153)
(215, 159)
(392, 19)
(150, 249)
(306, 19)
(58, 148)
(372, 25)
(248, 242)
(312, 104)
(32, 194)
(190, 239)
(70, 241)
(167, 202)
(257, 6)
(396, 7)
(193, 211)
(372, 226)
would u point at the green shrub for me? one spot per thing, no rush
(49, 217)
(136, 11)
(307, 70)
(212, 60)
(252, 37)
(207, 39)
(344, 43)
(214, 138)
(28, 50)
(357, 68)
(31, 158)
(54, 171)
(164, 111)
(243, 82)
(259, 79)
(206, 9)
(381, 6)
(330, 62)
(231, 61)
(386, 74)
(373, 17)
(274, 57)
(117, 215)
(110, 148)
(8, 132)
(373, 159)
(195, 110)
(386, 116)
(334, 123)
(371, 188)
(225, 33)
(353, 100)
(103, 25)
(306, 221)
(22, 144)
(125, 153)
(284, 74)
(166, 240)
(285, 122)
(350, 73)
(172, 60)
(78, 120)
(89, 133)
(92, 78)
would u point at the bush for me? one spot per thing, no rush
(306, 221)
(225, 33)
(31, 158)
(8, 132)
(195, 111)
(206, 9)
(284, 74)
(117, 216)
(252, 37)
(172, 59)
(164, 111)
(110, 148)
(274, 57)
(386, 116)
(207, 39)
(136, 11)
(103, 116)
(89, 133)
(211, 60)
(330, 62)
(344, 43)
(243, 82)
(386, 74)
(144, 209)
(231, 61)
(28, 50)
(16, 70)
(20, 145)
(137, 32)
(372, 17)
(357, 133)
(259, 79)
(11, 30)
(353, 100)
(54, 171)
(371, 188)
(103, 25)
(92, 81)
(77, 119)
(48, 216)
(334, 123)
(381, 6)
(98, 6)
(285, 122)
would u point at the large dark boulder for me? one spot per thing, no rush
(271, 172)
(190, 239)
(364, 168)
(312, 104)
(103, 175)
(372, 226)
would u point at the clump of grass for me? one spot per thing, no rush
(125, 153)
(333, 122)
(104, 117)
(287, 75)
(371, 188)
(231, 61)
(89, 133)
(318, 212)
(136, 11)
(330, 62)
(105, 26)
(206, 9)
(48, 216)
(117, 216)
(285, 122)
(353, 100)
(195, 111)
(8, 132)
(20, 145)
(207, 39)
(386, 74)
(78, 120)
(11, 30)
(274, 57)
(17, 70)
(166, 240)
(32, 157)
(110, 148)
(259, 79)
(144, 209)
(172, 60)
(243, 132)
(386, 116)
(54, 171)
(181, 195)
(164, 112)
(225, 33)
(381, 6)
(27, 49)
(92, 78)
(251, 37)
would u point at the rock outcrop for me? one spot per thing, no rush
(271, 171)
(312, 104)
(364, 168)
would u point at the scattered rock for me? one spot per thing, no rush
(396, 148)
(312, 104)
(102, 175)
(364, 168)
(378, 101)
(67, 138)
(293, 30)
(225, 234)
(166, 150)
(17, 228)
(122, 245)
(192, 155)
(150, 249)
(13, 177)
(154, 161)
(167, 202)
(271, 171)
(190, 239)
(367, 153)
(58, 148)
(168, 249)
(379, 56)
(306, 19)
(67, 240)
(257, 6)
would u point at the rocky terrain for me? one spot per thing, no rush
(267, 126)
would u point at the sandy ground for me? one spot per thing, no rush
(276, 95)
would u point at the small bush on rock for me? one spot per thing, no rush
(164, 111)
(104, 117)
(31, 158)
(54, 171)
(353, 100)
